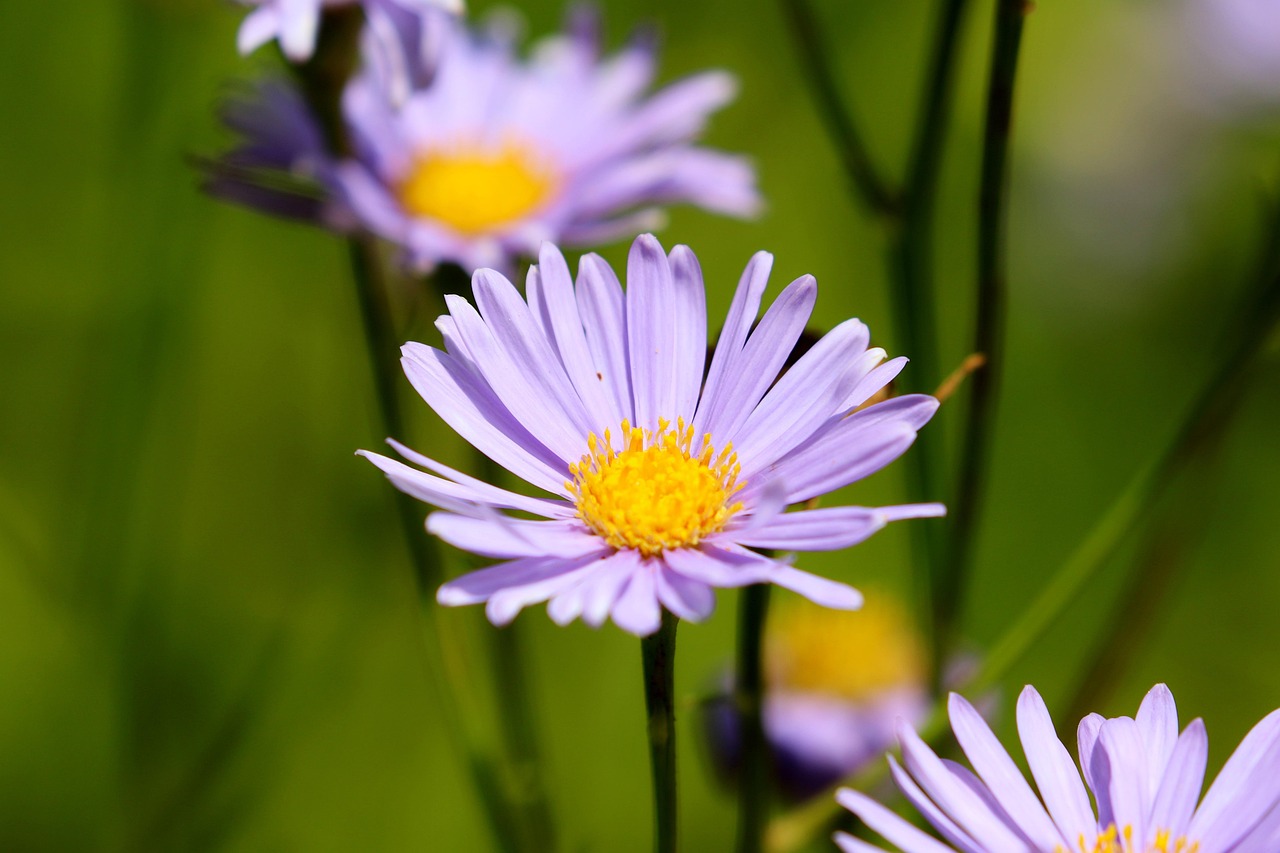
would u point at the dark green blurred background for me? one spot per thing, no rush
(208, 636)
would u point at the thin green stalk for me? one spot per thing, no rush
(864, 178)
(911, 254)
(658, 653)
(1130, 509)
(1137, 608)
(322, 80)
(913, 294)
(443, 658)
(525, 791)
(909, 216)
(754, 781)
(992, 298)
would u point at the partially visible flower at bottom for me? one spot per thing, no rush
(835, 685)
(1145, 776)
(661, 483)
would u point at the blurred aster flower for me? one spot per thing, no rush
(1238, 42)
(1145, 777)
(498, 155)
(296, 23)
(662, 485)
(836, 685)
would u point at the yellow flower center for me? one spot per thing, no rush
(1121, 841)
(853, 656)
(655, 493)
(474, 190)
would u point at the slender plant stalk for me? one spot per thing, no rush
(864, 178)
(658, 654)
(525, 790)
(754, 781)
(908, 216)
(322, 80)
(912, 287)
(992, 298)
(1131, 508)
(1137, 608)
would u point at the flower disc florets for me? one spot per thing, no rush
(474, 190)
(656, 493)
(1121, 841)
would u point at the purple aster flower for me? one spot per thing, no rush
(295, 24)
(660, 485)
(500, 154)
(1238, 42)
(1145, 776)
(836, 685)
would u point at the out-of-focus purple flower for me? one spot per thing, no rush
(660, 486)
(1238, 45)
(296, 23)
(282, 165)
(836, 685)
(1145, 776)
(500, 154)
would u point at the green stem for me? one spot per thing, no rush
(525, 791)
(1259, 322)
(658, 652)
(992, 298)
(322, 80)
(864, 178)
(911, 256)
(912, 294)
(749, 688)
(1137, 608)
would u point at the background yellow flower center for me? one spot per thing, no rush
(475, 191)
(655, 493)
(854, 656)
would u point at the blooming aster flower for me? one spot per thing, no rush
(836, 684)
(660, 485)
(500, 154)
(1145, 777)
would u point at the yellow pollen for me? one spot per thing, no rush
(1115, 840)
(656, 493)
(474, 190)
(854, 656)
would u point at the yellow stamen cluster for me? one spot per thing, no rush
(1115, 840)
(474, 190)
(853, 656)
(655, 493)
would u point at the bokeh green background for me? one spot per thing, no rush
(208, 636)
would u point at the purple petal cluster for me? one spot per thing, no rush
(1145, 776)
(296, 23)
(581, 370)
(499, 154)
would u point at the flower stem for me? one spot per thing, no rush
(322, 80)
(1248, 339)
(992, 298)
(912, 294)
(753, 783)
(658, 653)
(865, 180)
(1137, 609)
